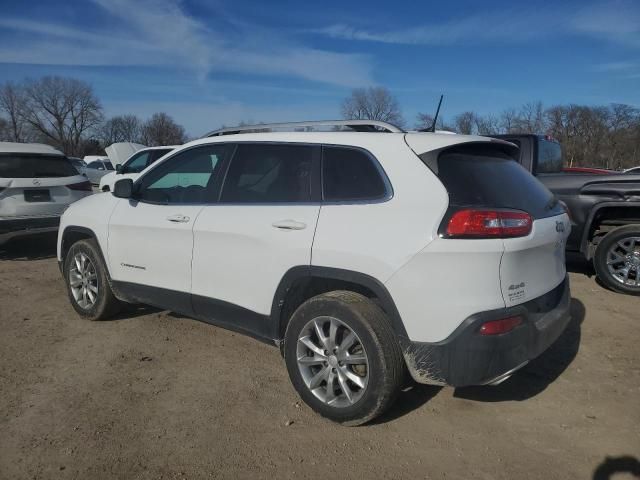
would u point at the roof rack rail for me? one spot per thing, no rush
(356, 125)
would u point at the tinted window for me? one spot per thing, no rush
(188, 177)
(108, 165)
(263, 173)
(549, 157)
(32, 166)
(349, 174)
(137, 163)
(479, 177)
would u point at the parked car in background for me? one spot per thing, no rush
(634, 170)
(134, 165)
(604, 209)
(96, 169)
(78, 163)
(37, 183)
(361, 254)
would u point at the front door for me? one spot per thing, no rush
(151, 236)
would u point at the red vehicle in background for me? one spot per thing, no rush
(589, 170)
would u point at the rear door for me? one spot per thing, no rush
(263, 225)
(482, 176)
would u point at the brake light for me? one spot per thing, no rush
(474, 223)
(83, 186)
(498, 327)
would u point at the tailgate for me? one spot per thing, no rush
(534, 265)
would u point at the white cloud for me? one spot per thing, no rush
(615, 21)
(160, 32)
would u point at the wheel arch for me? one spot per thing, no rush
(599, 213)
(73, 234)
(303, 282)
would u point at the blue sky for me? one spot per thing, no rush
(209, 62)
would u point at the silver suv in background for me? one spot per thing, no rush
(37, 184)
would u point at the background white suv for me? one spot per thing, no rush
(363, 255)
(134, 165)
(37, 183)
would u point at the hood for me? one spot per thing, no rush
(120, 152)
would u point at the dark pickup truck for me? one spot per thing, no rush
(604, 211)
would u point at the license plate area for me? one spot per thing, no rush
(41, 195)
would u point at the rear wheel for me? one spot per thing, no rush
(343, 357)
(617, 259)
(87, 282)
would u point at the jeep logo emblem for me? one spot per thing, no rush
(559, 227)
(36, 182)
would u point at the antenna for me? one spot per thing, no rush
(432, 128)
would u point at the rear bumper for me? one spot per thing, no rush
(468, 358)
(11, 228)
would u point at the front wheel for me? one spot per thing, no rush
(617, 260)
(87, 282)
(343, 358)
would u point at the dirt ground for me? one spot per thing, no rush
(153, 395)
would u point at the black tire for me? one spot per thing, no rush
(386, 366)
(106, 304)
(601, 257)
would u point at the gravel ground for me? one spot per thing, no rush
(154, 395)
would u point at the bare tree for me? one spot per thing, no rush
(62, 111)
(465, 122)
(122, 128)
(12, 99)
(487, 124)
(373, 103)
(5, 134)
(161, 129)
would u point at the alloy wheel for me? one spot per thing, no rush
(332, 361)
(623, 261)
(83, 280)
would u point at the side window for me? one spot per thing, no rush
(269, 173)
(108, 166)
(137, 163)
(349, 174)
(188, 177)
(95, 165)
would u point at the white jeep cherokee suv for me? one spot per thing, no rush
(363, 255)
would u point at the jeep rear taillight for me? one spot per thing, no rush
(481, 223)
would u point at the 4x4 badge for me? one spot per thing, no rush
(559, 227)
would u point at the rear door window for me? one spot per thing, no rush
(482, 176)
(35, 166)
(549, 156)
(269, 173)
(349, 174)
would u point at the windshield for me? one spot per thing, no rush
(35, 166)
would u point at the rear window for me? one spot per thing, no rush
(35, 166)
(350, 175)
(478, 176)
(549, 157)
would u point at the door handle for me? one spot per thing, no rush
(178, 218)
(289, 225)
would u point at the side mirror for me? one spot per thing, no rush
(118, 168)
(123, 188)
